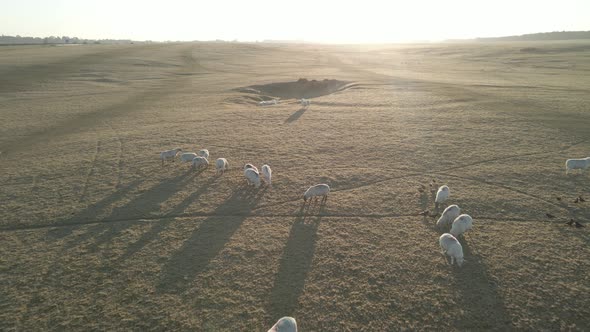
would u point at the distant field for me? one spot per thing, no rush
(96, 235)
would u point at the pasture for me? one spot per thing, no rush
(96, 235)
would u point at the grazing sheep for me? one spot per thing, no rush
(268, 102)
(461, 224)
(317, 190)
(448, 216)
(252, 177)
(572, 164)
(285, 324)
(247, 166)
(203, 153)
(304, 102)
(441, 195)
(451, 246)
(169, 154)
(200, 162)
(267, 174)
(221, 165)
(188, 156)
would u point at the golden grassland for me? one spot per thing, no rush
(96, 235)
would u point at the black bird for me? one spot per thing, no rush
(578, 225)
(569, 223)
(577, 200)
(549, 215)
(558, 198)
(581, 199)
(424, 213)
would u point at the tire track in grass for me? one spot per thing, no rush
(90, 171)
(147, 219)
(487, 183)
(119, 156)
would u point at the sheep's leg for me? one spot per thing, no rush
(452, 260)
(162, 162)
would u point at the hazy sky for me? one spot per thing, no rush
(310, 20)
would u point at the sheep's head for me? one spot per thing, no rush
(460, 261)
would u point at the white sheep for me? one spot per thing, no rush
(221, 165)
(268, 102)
(285, 324)
(247, 166)
(304, 102)
(448, 216)
(317, 190)
(572, 164)
(253, 177)
(203, 153)
(200, 162)
(267, 174)
(461, 224)
(451, 246)
(188, 156)
(441, 195)
(169, 154)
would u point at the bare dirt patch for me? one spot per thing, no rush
(302, 88)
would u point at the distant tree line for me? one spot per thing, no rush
(555, 35)
(51, 40)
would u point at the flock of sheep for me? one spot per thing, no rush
(451, 218)
(200, 160)
(460, 223)
(451, 221)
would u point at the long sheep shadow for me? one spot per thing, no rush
(138, 207)
(158, 227)
(479, 296)
(295, 116)
(62, 230)
(205, 243)
(295, 264)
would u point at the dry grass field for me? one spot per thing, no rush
(96, 235)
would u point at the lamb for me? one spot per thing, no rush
(267, 174)
(441, 195)
(203, 153)
(450, 246)
(253, 177)
(285, 324)
(448, 216)
(461, 224)
(317, 190)
(169, 154)
(188, 156)
(221, 165)
(304, 102)
(572, 164)
(250, 166)
(200, 162)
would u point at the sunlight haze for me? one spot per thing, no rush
(314, 21)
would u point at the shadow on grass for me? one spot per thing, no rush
(480, 300)
(157, 227)
(205, 243)
(295, 116)
(145, 204)
(295, 263)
